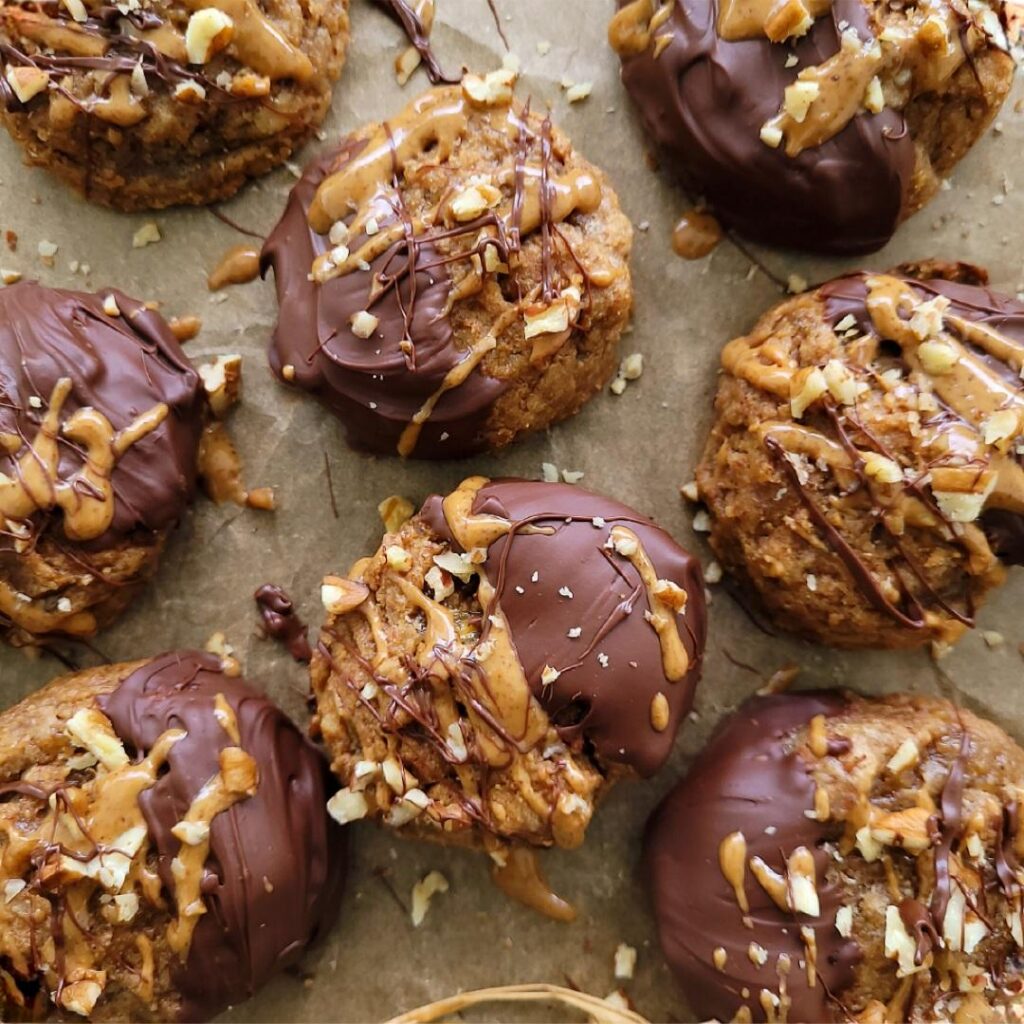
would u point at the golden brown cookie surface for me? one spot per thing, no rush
(151, 103)
(469, 276)
(863, 471)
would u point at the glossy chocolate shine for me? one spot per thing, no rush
(121, 366)
(607, 707)
(703, 100)
(370, 386)
(746, 780)
(281, 835)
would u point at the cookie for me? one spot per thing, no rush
(863, 471)
(507, 653)
(835, 858)
(813, 124)
(100, 422)
(451, 279)
(164, 846)
(151, 103)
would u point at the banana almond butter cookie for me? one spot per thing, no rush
(508, 653)
(864, 472)
(144, 104)
(164, 846)
(453, 278)
(101, 415)
(814, 124)
(837, 858)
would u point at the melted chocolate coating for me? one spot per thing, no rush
(121, 366)
(369, 385)
(847, 296)
(282, 835)
(607, 707)
(704, 100)
(745, 780)
(281, 621)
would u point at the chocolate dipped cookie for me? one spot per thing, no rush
(100, 421)
(814, 124)
(836, 858)
(451, 279)
(508, 653)
(150, 103)
(864, 471)
(164, 846)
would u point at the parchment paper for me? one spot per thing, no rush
(638, 447)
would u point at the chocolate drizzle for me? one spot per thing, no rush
(847, 297)
(281, 621)
(746, 780)
(276, 863)
(704, 99)
(917, 919)
(119, 366)
(406, 15)
(951, 829)
(556, 548)
(412, 387)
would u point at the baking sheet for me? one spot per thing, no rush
(638, 447)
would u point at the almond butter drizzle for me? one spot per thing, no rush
(732, 859)
(696, 235)
(521, 879)
(752, 19)
(237, 779)
(239, 265)
(634, 26)
(91, 837)
(258, 43)
(960, 459)
(662, 618)
(87, 497)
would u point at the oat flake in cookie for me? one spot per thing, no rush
(815, 124)
(506, 654)
(864, 472)
(836, 858)
(100, 419)
(164, 846)
(149, 103)
(469, 276)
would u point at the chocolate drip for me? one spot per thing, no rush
(405, 14)
(951, 827)
(553, 537)
(276, 860)
(704, 99)
(746, 780)
(281, 621)
(119, 366)
(370, 387)
(917, 920)
(1008, 866)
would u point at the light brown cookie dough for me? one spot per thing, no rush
(452, 278)
(151, 103)
(837, 858)
(863, 472)
(508, 653)
(164, 846)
